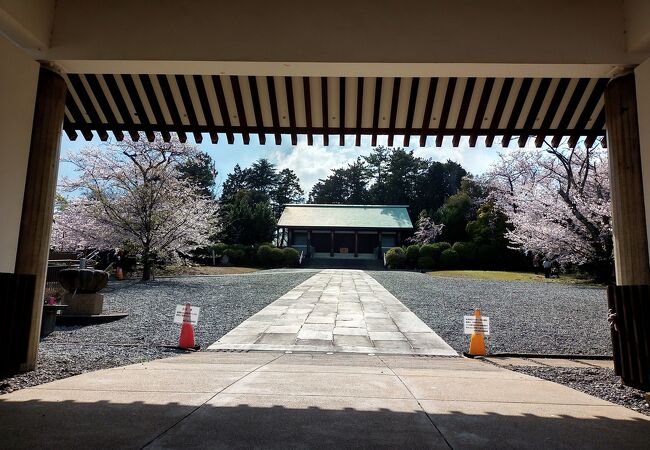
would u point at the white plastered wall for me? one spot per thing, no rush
(18, 81)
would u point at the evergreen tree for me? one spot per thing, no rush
(287, 191)
(247, 220)
(199, 171)
(262, 177)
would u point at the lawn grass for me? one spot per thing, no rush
(509, 276)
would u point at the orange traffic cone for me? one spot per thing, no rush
(186, 339)
(119, 274)
(477, 341)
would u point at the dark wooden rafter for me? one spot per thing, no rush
(561, 88)
(375, 113)
(515, 114)
(150, 93)
(104, 106)
(410, 111)
(570, 110)
(535, 106)
(241, 112)
(189, 107)
(428, 110)
(342, 111)
(69, 129)
(446, 107)
(275, 116)
(498, 110)
(168, 96)
(223, 107)
(79, 117)
(447, 131)
(325, 109)
(205, 108)
(79, 121)
(132, 91)
(288, 83)
(359, 118)
(257, 108)
(116, 95)
(464, 108)
(590, 105)
(307, 92)
(598, 124)
(397, 82)
(97, 103)
(480, 110)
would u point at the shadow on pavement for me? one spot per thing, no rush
(186, 424)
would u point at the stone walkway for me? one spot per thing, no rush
(336, 311)
(273, 400)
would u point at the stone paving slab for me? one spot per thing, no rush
(313, 400)
(336, 311)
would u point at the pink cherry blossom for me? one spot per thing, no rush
(128, 194)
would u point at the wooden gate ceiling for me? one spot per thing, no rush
(516, 109)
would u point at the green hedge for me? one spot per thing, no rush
(395, 258)
(450, 259)
(412, 254)
(429, 251)
(291, 257)
(426, 263)
(467, 252)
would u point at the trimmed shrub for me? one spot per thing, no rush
(412, 254)
(426, 263)
(264, 255)
(428, 250)
(449, 259)
(466, 251)
(395, 258)
(291, 257)
(235, 255)
(277, 257)
(443, 245)
(220, 248)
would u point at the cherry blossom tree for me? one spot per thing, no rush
(558, 203)
(427, 231)
(132, 194)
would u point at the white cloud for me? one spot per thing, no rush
(313, 162)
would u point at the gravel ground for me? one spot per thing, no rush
(225, 302)
(602, 383)
(525, 317)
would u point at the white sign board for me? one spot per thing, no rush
(474, 324)
(193, 316)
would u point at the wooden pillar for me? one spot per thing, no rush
(331, 243)
(289, 237)
(38, 200)
(398, 238)
(308, 242)
(356, 243)
(380, 252)
(628, 211)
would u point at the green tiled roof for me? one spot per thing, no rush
(345, 216)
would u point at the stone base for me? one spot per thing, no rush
(79, 304)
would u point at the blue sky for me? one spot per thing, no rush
(312, 162)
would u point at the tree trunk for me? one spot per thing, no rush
(146, 265)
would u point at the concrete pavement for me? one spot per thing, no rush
(336, 311)
(302, 400)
